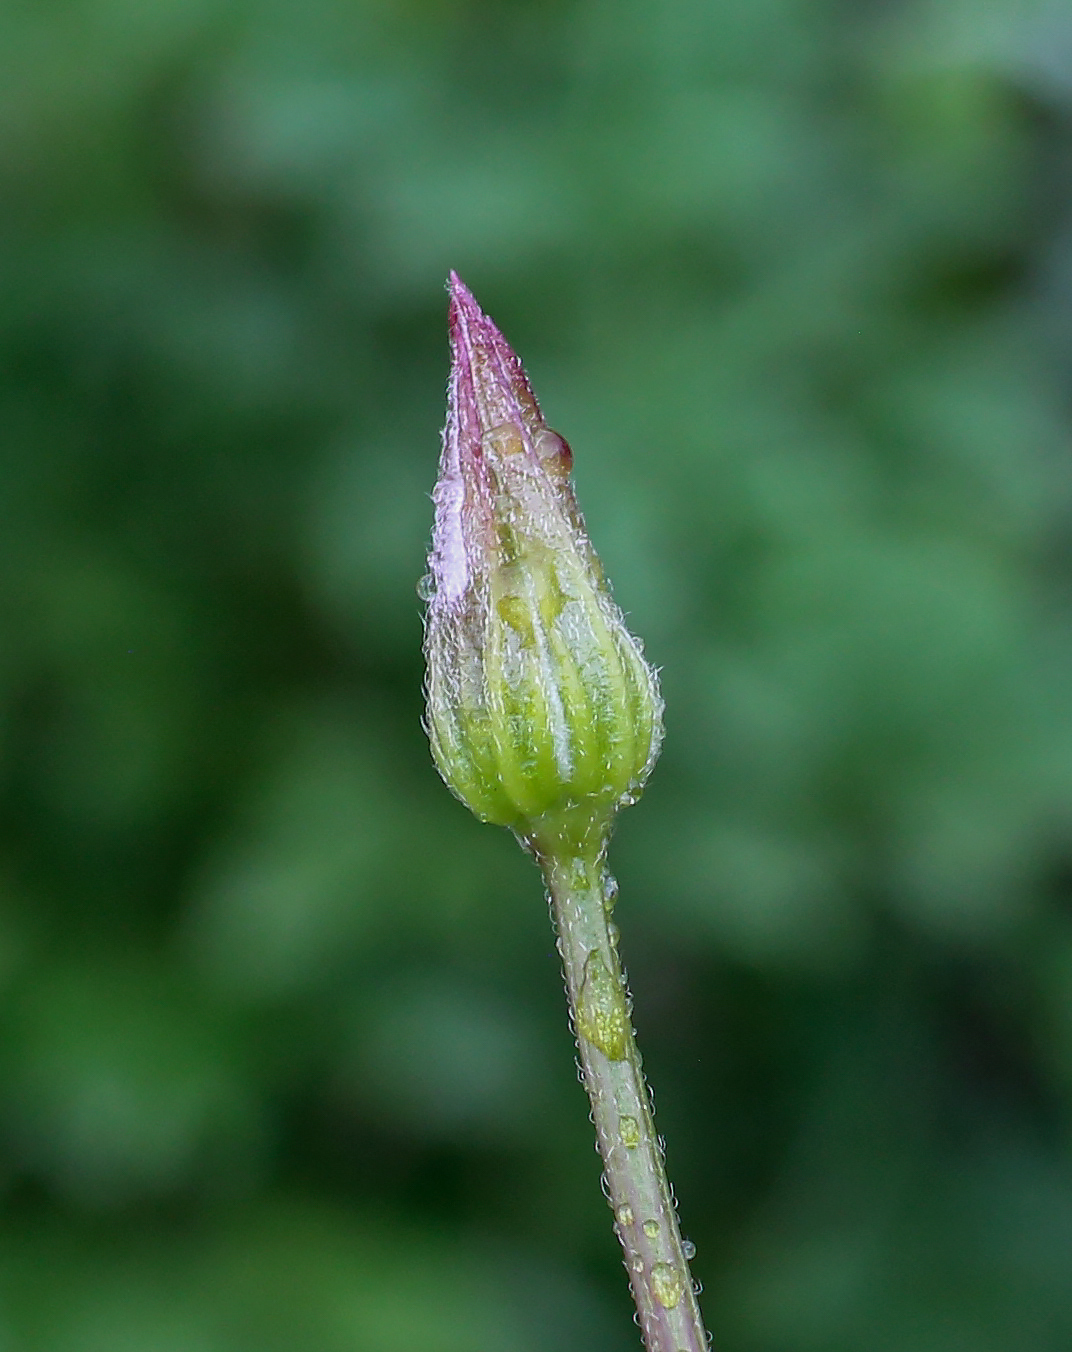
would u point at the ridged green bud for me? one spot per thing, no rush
(542, 712)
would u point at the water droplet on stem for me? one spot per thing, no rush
(602, 1017)
(667, 1284)
(629, 1132)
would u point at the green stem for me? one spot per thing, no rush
(634, 1177)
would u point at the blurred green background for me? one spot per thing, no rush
(284, 1064)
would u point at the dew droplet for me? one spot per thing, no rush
(553, 451)
(502, 441)
(426, 587)
(602, 1016)
(610, 892)
(518, 616)
(688, 1248)
(629, 1131)
(651, 1229)
(667, 1284)
(613, 934)
(625, 1214)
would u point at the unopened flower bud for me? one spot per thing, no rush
(542, 712)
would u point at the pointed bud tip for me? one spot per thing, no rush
(460, 295)
(489, 384)
(463, 308)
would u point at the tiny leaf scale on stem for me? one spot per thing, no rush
(544, 717)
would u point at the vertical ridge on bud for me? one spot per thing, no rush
(541, 709)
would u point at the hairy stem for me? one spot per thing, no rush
(582, 893)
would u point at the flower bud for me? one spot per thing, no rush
(542, 713)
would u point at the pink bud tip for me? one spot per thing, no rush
(488, 389)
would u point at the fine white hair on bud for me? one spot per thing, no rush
(541, 710)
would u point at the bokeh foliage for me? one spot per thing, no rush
(283, 1057)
